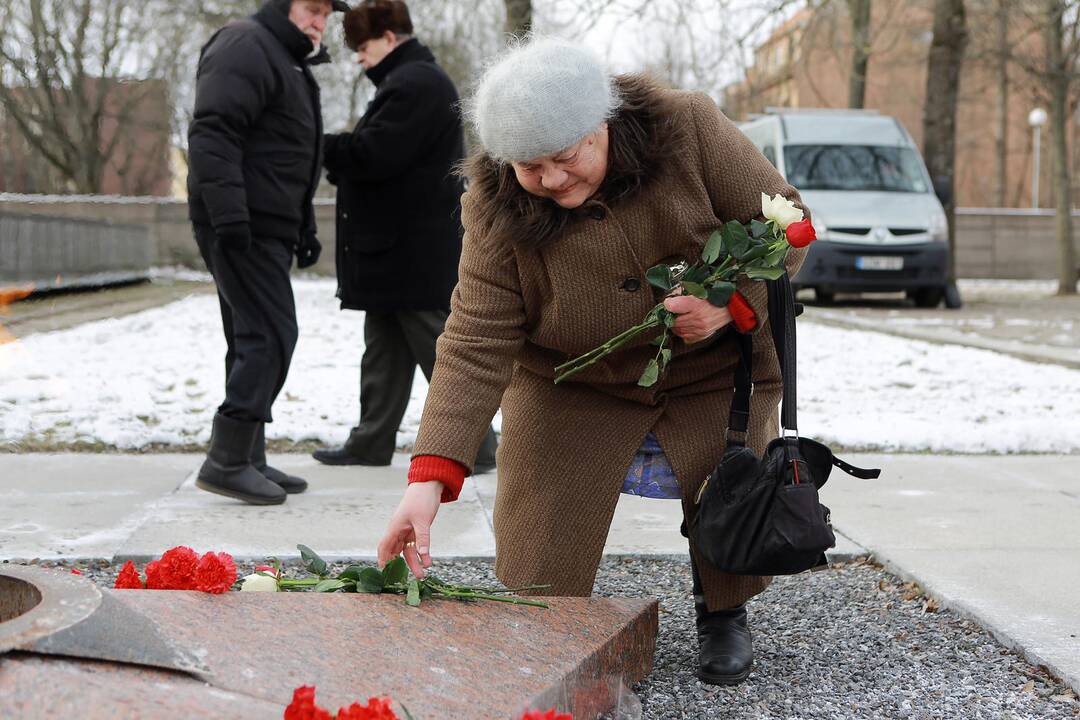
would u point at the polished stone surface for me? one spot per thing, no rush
(444, 659)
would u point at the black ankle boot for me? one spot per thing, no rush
(228, 470)
(725, 649)
(289, 483)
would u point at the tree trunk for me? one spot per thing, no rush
(1058, 75)
(518, 17)
(939, 112)
(1001, 123)
(860, 55)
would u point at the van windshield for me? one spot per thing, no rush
(854, 167)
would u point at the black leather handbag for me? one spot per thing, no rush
(762, 516)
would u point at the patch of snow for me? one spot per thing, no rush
(157, 377)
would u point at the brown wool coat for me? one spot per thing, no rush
(518, 312)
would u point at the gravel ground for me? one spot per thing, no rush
(848, 642)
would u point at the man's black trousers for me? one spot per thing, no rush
(258, 315)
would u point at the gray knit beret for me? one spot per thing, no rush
(539, 97)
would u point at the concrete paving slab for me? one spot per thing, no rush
(995, 537)
(342, 515)
(80, 506)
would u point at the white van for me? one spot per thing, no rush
(879, 224)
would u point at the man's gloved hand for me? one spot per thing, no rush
(235, 236)
(308, 250)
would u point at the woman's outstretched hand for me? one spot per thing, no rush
(697, 319)
(409, 531)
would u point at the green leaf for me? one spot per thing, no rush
(370, 581)
(412, 597)
(659, 276)
(713, 246)
(665, 357)
(351, 573)
(765, 273)
(693, 288)
(314, 564)
(658, 340)
(776, 257)
(651, 374)
(329, 585)
(696, 274)
(668, 318)
(395, 572)
(754, 252)
(740, 240)
(720, 293)
(759, 229)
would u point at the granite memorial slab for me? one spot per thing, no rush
(179, 654)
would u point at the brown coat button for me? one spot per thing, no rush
(598, 213)
(631, 284)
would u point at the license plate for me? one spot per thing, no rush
(879, 262)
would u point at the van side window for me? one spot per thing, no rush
(770, 154)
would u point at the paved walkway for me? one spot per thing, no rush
(994, 537)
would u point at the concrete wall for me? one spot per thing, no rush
(991, 242)
(50, 252)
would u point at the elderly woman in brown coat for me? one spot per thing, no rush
(583, 182)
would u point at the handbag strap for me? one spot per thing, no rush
(782, 319)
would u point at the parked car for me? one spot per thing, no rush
(879, 223)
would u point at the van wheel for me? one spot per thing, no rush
(824, 297)
(929, 297)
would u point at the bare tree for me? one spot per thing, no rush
(1001, 120)
(66, 72)
(1061, 57)
(860, 51)
(939, 112)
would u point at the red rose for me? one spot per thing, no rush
(178, 568)
(376, 709)
(800, 234)
(549, 715)
(303, 706)
(154, 578)
(75, 572)
(128, 579)
(215, 573)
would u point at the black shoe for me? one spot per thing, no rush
(343, 456)
(725, 649)
(479, 468)
(289, 483)
(228, 470)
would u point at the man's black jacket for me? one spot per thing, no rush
(255, 143)
(398, 199)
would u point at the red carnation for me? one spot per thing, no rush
(178, 568)
(549, 715)
(215, 573)
(303, 706)
(376, 709)
(75, 572)
(800, 234)
(128, 579)
(154, 579)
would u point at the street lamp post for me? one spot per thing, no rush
(1036, 119)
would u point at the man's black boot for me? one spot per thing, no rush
(351, 453)
(725, 648)
(228, 469)
(289, 483)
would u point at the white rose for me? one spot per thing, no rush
(780, 210)
(258, 583)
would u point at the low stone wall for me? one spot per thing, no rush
(53, 253)
(1007, 243)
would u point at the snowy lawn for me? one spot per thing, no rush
(156, 377)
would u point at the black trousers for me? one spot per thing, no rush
(258, 315)
(395, 343)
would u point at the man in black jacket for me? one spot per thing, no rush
(255, 148)
(398, 223)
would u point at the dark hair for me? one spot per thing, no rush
(371, 18)
(641, 135)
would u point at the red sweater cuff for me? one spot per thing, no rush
(451, 473)
(741, 313)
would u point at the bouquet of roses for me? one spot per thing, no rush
(394, 578)
(756, 251)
